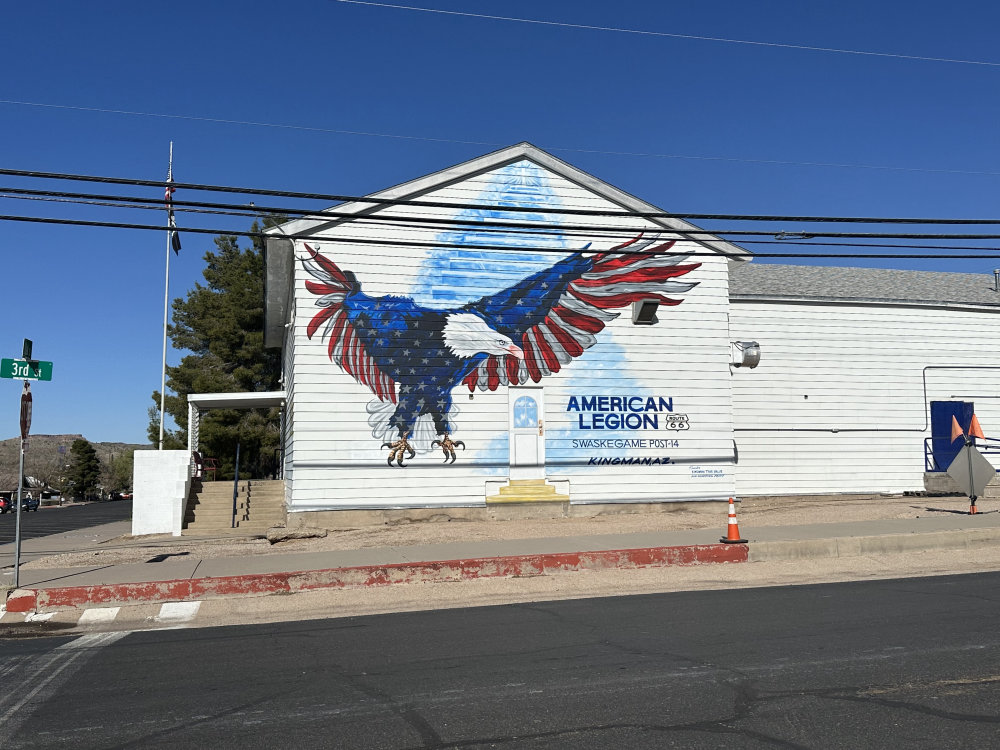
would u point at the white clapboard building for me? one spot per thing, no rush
(470, 342)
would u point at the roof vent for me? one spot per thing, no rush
(644, 312)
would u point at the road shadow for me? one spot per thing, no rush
(68, 575)
(165, 555)
(959, 512)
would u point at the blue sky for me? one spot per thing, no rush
(91, 299)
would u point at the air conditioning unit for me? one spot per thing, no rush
(746, 354)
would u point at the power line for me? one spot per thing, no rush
(448, 205)
(648, 32)
(588, 232)
(693, 233)
(492, 226)
(254, 123)
(481, 247)
(496, 144)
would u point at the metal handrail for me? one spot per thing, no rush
(236, 484)
(279, 468)
(991, 447)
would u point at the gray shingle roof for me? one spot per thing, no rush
(757, 280)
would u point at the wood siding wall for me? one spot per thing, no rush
(337, 463)
(838, 402)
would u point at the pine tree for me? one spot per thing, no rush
(221, 324)
(84, 469)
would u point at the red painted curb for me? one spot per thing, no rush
(21, 600)
(48, 599)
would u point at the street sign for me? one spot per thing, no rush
(971, 471)
(25, 411)
(24, 369)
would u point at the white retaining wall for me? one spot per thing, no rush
(160, 484)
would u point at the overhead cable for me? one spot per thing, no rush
(672, 35)
(492, 144)
(480, 247)
(474, 206)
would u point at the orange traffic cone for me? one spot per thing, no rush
(733, 533)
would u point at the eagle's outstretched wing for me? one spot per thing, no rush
(346, 345)
(554, 315)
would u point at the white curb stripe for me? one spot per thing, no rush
(174, 612)
(98, 616)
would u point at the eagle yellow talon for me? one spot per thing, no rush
(398, 449)
(448, 447)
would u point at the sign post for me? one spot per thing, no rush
(25, 428)
(972, 472)
(24, 369)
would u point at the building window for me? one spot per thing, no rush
(525, 412)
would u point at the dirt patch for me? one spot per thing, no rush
(33, 629)
(751, 513)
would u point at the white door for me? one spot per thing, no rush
(527, 433)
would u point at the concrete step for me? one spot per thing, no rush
(251, 528)
(199, 527)
(540, 490)
(214, 517)
(222, 532)
(260, 505)
(527, 491)
(218, 504)
(221, 508)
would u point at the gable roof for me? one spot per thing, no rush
(278, 256)
(753, 281)
(413, 189)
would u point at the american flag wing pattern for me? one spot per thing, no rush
(620, 276)
(344, 345)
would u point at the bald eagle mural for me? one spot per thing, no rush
(412, 357)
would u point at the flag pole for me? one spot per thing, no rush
(166, 296)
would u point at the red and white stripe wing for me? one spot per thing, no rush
(344, 346)
(616, 279)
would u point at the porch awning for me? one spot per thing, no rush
(260, 400)
(200, 402)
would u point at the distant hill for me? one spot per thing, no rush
(45, 460)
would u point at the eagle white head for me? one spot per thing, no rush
(467, 335)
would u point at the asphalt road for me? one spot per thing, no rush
(909, 663)
(56, 520)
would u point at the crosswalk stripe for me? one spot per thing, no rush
(42, 676)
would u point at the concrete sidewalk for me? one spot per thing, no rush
(176, 572)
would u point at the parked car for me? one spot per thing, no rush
(6, 504)
(29, 503)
